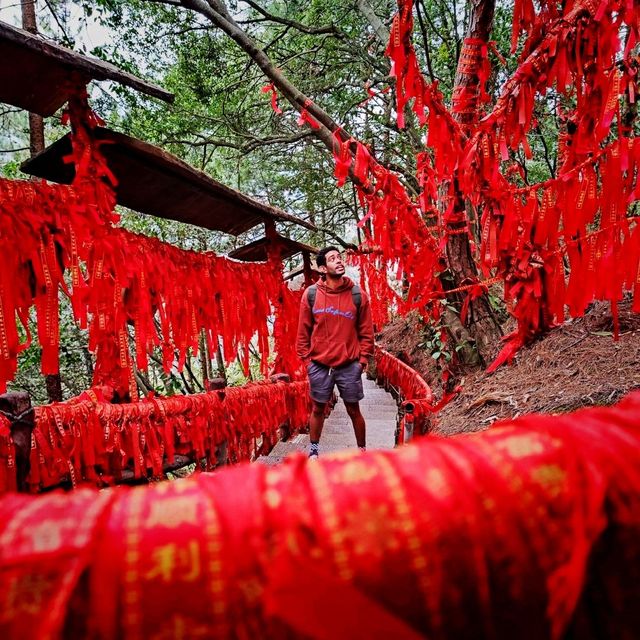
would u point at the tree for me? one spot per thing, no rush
(340, 39)
(223, 125)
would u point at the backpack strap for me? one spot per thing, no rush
(311, 295)
(311, 299)
(356, 295)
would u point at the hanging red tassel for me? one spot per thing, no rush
(271, 89)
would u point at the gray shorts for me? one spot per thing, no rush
(348, 379)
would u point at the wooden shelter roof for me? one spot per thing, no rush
(37, 75)
(256, 251)
(154, 182)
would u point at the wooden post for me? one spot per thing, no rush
(219, 385)
(17, 408)
(205, 364)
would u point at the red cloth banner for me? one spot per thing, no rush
(92, 442)
(527, 530)
(529, 234)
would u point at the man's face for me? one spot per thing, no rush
(335, 265)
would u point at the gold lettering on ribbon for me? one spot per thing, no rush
(182, 628)
(25, 595)
(521, 446)
(437, 483)
(46, 536)
(4, 339)
(355, 472)
(172, 562)
(173, 512)
(551, 477)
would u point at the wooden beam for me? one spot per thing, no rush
(154, 182)
(89, 68)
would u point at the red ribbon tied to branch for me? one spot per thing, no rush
(270, 88)
(305, 118)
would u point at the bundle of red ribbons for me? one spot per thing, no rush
(415, 396)
(410, 384)
(528, 232)
(88, 442)
(528, 530)
(119, 280)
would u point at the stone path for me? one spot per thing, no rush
(379, 410)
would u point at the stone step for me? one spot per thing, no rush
(372, 414)
(374, 402)
(366, 411)
(376, 395)
(344, 422)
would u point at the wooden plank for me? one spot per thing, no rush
(313, 274)
(154, 182)
(39, 76)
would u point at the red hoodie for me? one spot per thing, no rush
(337, 333)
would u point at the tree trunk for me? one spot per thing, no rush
(205, 365)
(36, 123)
(36, 145)
(222, 372)
(482, 322)
(17, 408)
(376, 24)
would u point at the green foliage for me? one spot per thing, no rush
(434, 342)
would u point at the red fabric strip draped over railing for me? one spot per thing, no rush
(527, 235)
(415, 394)
(409, 382)
(86, 442)
(530, 530)
(56, 237)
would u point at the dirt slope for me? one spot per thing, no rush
(575, 365)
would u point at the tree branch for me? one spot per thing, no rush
(330, 29)
(376, 24)
(247, 147)
(172, 3)
(547, 153)
(425, 42)
(67, 40)
(217, 13)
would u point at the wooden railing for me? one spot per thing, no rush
(412, 392)
(99, 443)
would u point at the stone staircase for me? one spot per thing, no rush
(379, 410)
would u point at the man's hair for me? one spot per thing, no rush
(321, 258)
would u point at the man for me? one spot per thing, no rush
(335, 340)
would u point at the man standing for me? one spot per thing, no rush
(335, 340)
